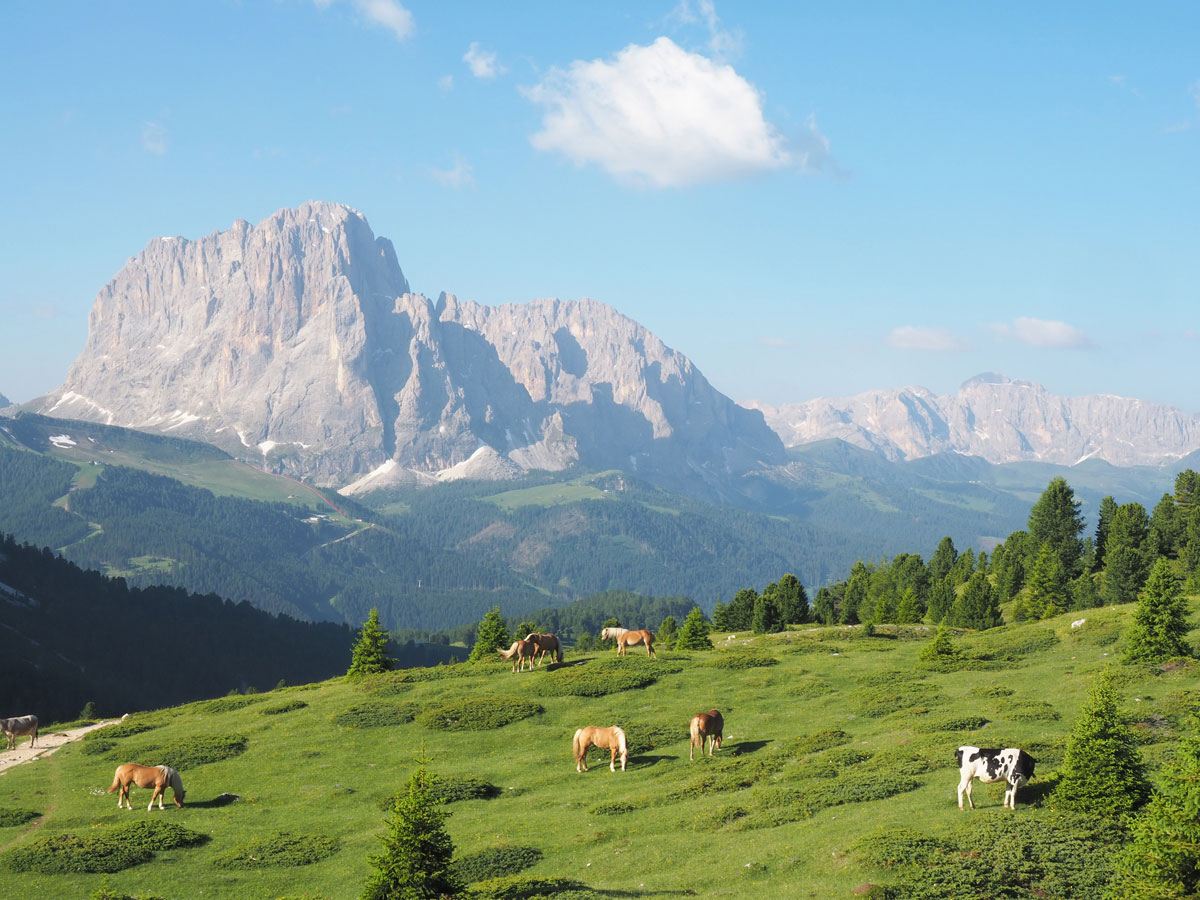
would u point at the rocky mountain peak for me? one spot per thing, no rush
(298, 341)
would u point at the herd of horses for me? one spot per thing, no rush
(706, 731)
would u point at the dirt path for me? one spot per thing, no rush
(47, 743)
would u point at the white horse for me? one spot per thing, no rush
(17, 726)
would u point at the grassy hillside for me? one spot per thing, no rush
(834, 742)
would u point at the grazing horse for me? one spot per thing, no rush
(1011, 765)
(15, 727)
(547, 643)
(157, 777)
(606, 739)
(522, 651)
(624, 637)
(704, 726)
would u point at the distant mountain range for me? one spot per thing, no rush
(998, 419)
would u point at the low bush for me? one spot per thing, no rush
(478, 713)
(129, 727)
(187, 753)
(990, 690)
(853, 788)
(106, 893)
(61, 854)
(10, 818)
(875, 702)
(808, 686)
(642, 737)
(525, 887)
(280, 708)
(152, 835)
(279, 848)
(739, 659)
(813, 743)
(96, 748)
(495, 862)
(834, 762)
(951, 723)
(888, 847)
(227, 704)
(1027, 711)
(452, 789)
(374, 715)
(1011, 642)
(585, 681)
(616, 808)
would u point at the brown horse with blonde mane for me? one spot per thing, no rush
(706, 726)
(624, 637)
(546, 643)
(157, 777)
(606, 739)
(521, 651)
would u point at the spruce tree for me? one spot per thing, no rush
(369, 655)
(1055, 517)
(793, 600)
(1047, 585)
(941, 600)
(1108, 509)
(667, 634)
(909, 610)
(1160, 624)
(767, 618)
(417, 850)
(694, 633)
(492, 635)
(824, 606)
(1102, 769)
(1162, 862)
(977, 606)
(943, 560)
(941, 654)
(856, 595)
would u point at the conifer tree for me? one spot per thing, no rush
(1108, 509)
(694, 633)
(369, 655)
(1102, 769)
(941, 654)
(793, 600)
(1055, 517)
(767, 618)
(941, 600)
(492, 635)
(1160, 620)
(977, 606)
(856, 595)
(667, 634)
(1162, 862)
(417, 850)
(909, 610)
(943, 560)
(1047, 585)
(824, 606)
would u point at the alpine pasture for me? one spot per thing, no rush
(838, 760)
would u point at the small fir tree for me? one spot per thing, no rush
(977, 606)
(370, 656)
(1160, 619)
(941, 599)
(1162, 862)
(1047, 585)
(909, 611)
(417, 850)
(767, 618)
(793, 600)
(492, 636)
(667, 634)
(694, 633)
(941, 654)
(1102, 769)
(825, 606)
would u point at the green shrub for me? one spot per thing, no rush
(60, 854)
(853, 788)
(227, 704)
(280, 708)
(615, 808)
(374, 715)
(1011, 642)
(385, 683)
(522, 887)
(990, 690)
(187, 753)
(642, 737)
(105, 893)
(452, 790)
(808, 686)
(952, 723)
(131, 726)
(833, 763)
(152, 835)
(478, 713)
(279, 848)
(96, 748)
(585, 681)
(904, 697)
(495, 862)
(813, 743)
(1027, 711)
(888, 847)
(740, 659)
(10, 818)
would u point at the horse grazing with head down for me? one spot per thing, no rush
(17, 726)
(706, 727)
(520, 651)
(624, 637)
(547, 643)
(606, 739)
(157, 777)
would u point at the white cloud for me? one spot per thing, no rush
(660, 116)
(387, 14)
(1043, 333)
(154, 138)
(934, 340)
(446, 84)
(458, 176)
(482, 63)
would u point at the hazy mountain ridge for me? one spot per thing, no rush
(997, 418)
(298, 339)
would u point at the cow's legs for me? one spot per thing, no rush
(964, 785)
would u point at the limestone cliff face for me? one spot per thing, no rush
(299, 341)
(997, 418)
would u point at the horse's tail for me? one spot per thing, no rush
(116, 781)
(622, 747)
(576, 742)
(508, 654)
(694, 729)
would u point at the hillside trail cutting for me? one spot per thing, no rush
(47, 743)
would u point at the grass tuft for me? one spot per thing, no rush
(279, 848)
(478, 713)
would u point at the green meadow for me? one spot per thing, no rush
(838, 746)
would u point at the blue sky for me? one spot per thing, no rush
(806, 200)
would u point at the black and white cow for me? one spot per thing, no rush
(1010, 765)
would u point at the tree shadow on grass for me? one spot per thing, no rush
(649, 760)
(216, 802)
